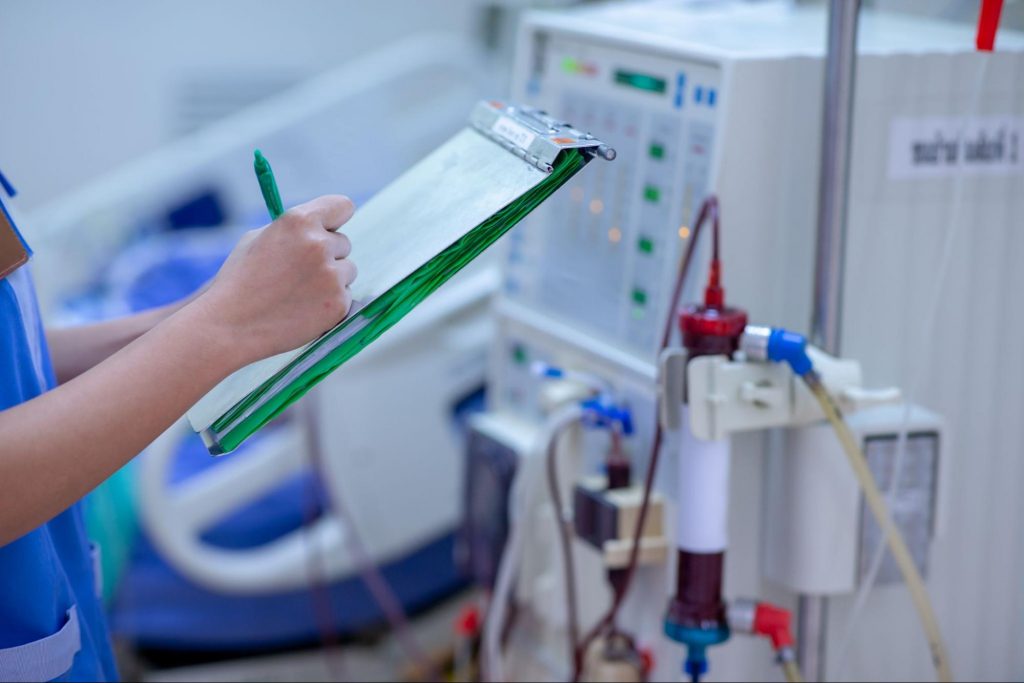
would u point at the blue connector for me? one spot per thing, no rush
(697, 641)
(777, 345)
(545, 370)
(601, 413)
(696, 666)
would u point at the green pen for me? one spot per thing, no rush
(268, 186)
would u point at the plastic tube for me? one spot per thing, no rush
(891, 532)
(792, 671)
(708, 210)
(369, 571)
(702, 516)
(565, 542)
(526, 487)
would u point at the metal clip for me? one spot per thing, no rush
(532, 135)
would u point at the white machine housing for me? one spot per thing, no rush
(819, 535)
(726, 97)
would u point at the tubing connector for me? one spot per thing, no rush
(600, 410)
(776, 344)
(696, 664)
(604, 414)
(762, 619)
(697, 640)
(766, 620)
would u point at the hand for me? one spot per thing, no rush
(284, 284)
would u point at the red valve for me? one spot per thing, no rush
(467, 624)
(774, 623)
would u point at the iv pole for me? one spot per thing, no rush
(826, 314)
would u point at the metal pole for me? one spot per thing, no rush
(811, 621)
(826, 314)
(837, 120)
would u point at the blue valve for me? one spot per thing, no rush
(790, 347)
(777, 345)
(601, 413)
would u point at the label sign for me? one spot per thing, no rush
(934, 147)
(518, 134)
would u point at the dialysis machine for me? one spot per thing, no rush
(726, 99)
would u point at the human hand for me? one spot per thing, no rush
(284, 284)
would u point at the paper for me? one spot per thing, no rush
(428, 208)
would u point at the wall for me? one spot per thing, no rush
(89, 86)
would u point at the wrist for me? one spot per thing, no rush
(218, 338)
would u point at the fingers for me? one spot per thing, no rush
(347, 272)
(339, 244)
(332, 210)
(346, 302)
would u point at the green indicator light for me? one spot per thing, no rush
(646, 245)
(657, 151)
(570, 65)
(639, 297)
(519, 354)
(652, 193)
(640, 81)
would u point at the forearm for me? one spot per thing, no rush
(76, 349)
(56, 448)
(59, 446)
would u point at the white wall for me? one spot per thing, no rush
(86, 86)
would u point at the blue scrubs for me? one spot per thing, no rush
(52, 625)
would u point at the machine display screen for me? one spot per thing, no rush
(640, 81)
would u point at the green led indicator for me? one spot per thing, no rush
(570, 65)
(640, 81)
(651, 193)
(646, 245)
(519, 354)
(639, 297)
(657, 151)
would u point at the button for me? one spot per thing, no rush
(657, 151)
(519, 354)
(652, 193)
(645, 245)
(639, 297)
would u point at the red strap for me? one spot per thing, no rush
(988, 22)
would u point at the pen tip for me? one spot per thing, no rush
(260, 161)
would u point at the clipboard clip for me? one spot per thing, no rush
(532, 134)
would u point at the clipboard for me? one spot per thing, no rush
(408, 240)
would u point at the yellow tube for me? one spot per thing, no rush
(792, 671)
(892, 533)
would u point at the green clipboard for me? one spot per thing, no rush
(408, 240)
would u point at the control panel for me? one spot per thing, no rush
(601, 256)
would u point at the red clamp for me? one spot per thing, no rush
(988, 23)
(774, 623)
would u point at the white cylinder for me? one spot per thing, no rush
(703, 493)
